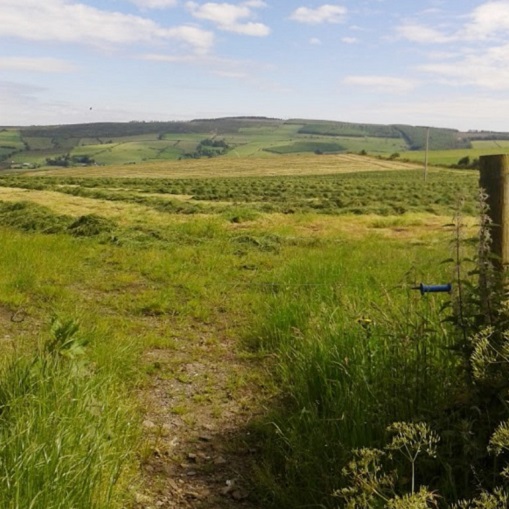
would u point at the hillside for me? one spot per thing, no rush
(136, 142)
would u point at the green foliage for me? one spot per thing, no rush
(369, 484)
(209, 148)
(348, 129)
(62, 437)
(497, 500)
(307, 146)
(439, 139)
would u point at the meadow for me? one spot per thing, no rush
(276, 297)
(451, 157)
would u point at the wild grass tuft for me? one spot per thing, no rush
(63, 435)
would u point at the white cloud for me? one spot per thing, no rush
(418, 33)
(488, 69)
(232, 74)
(230, 17)
(487, 20)
(255, 4)
(324, 14)
(200, 40)
(155, 4)
(349, 40)
(479, 56)
(46, 65)
(381, 83)
(70, 22)
(315, 41)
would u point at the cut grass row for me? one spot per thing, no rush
(384, 193)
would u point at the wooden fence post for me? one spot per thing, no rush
(495, 181)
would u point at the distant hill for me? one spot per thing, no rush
(135, 142)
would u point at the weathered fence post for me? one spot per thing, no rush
(495, 181)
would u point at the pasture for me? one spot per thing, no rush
(236, 318)
(451, 157)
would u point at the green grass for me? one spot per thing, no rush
(451, 157)
(11, 138)
(346, 331)
(63, 440)
(313, 272)
(10, 143)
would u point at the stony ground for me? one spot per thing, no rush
(201, 398)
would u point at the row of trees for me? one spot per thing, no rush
(68, 160)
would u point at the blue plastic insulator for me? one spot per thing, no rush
(434, 288)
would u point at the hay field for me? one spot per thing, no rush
(229, 167)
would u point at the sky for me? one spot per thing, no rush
(442, 63)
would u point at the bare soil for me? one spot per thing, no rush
(199, 402)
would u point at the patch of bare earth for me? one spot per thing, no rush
(199, 402)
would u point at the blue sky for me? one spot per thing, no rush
(426, 62)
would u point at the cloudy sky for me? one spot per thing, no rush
(422, 62)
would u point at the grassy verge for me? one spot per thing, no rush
(355, 350)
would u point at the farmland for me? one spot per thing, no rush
(451, 157)
(234, 327)
(238, 138)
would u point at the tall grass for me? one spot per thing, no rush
(63, 434)
(355, 350)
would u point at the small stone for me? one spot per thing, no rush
(205, 438)
(220, 461)
(148, 424)
(192, 457)
(230, 485)
(239, 495)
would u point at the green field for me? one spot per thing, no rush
(138, 142)
(10, 143)
(451, 157)
(172, 325)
